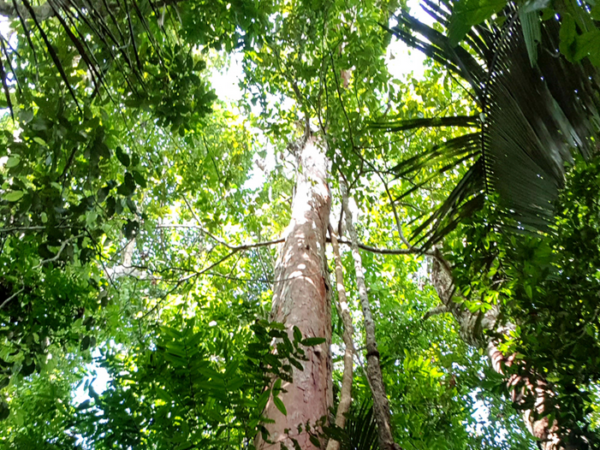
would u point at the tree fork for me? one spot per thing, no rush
(301, 298)
(381, 406)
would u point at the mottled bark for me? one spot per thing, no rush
(301, 298)
(472, 328)
(344, 312)
(381, 406)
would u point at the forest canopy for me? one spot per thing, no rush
(384, 233)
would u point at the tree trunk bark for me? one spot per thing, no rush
(344, 312)
(301, 298)
(381, 406)
(472, 327)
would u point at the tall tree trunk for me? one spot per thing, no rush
(301, 298)
(344, 312)
(472, 328)
(381, 406)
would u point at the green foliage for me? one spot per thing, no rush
(127, 189)
(193, 385)
(517, 155)
(579, 32)
(548, 284)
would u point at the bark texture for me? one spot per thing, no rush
(344, 312)
(472, 327)
(381, 406)
(301, 298)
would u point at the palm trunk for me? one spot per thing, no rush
(381, 406)
(301, 298)
(472, 327)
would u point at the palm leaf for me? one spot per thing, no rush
(403, 125)
(534, 118)
(81, 20)
(361, 429)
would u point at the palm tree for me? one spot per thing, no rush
(537, 114)
(533, 119)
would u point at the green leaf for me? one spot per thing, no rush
(467, 13)
(588, 44)
(26, 115)
(128, 186)
(139, 179)
(311, 342)
(297, 334)
(111, 206)
(40, 141)
(263, 399)
(123, 157)
(568, 33)
(277, 387)
(280, 406)
(13, 161)
(14, 196)
(315, 441)
(85, 343)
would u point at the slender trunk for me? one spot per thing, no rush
(381, 406)
(472, 327)
(301, 298)
(344, 312)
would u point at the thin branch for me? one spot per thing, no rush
(204, 230)
(440, 309)
(381, 406)
(60, 250)
(5, 302)
(386, 251)
(235, 250)
(219, 240)
(14, 10)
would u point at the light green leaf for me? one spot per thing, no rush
(468, 13)
(14, 196)
(13, 161)
(280, 406)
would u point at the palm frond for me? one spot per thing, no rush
(361, 429)
(409, 124)
(533, 118)
(95, 31)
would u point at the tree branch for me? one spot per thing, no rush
(344, 312)
(381, 406)
(60, 250)
(440, 309)
(5, 302)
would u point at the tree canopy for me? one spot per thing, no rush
(143, 222)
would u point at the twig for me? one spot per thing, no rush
(235, 250)
(60, 250)
(5, 302)
(204, 230)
